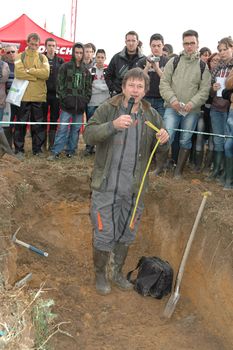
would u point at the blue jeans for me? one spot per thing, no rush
(67, 135)
(229, 142)
(219, 126)
(156, 103)
(173, 120)
(91, 111)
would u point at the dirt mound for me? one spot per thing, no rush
(50, 202)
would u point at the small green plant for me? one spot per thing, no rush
(42, 317)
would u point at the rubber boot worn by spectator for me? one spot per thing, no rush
(208, 161)
(120, 253)
(198, 161)
(4, 145)
(101, 259)
(161, 162)
(218, 159)
(228, 174)
(182, 159)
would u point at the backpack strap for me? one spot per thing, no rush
(175, 62)
(130, 272)
(202, 67)
(177, 59)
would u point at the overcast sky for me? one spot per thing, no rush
(106, 22)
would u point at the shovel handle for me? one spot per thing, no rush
(190, 240)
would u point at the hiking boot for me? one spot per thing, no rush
(20, 155)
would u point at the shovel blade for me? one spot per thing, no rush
(171, 305)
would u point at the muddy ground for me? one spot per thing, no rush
(50, 202)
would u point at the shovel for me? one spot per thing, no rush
(175, 296)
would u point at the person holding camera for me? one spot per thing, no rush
(154, 65)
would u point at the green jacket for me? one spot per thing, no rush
(185, 83)
(100, 131)
(74, 85)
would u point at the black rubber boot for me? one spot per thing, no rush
(101, 259)
(4, 145)
(198, 161)
(218, 159)
(161, 162)
(208, 161)
(120, 253)
(9, 136)
(229, 174)
(182, 159)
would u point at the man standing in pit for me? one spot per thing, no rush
(123, 147)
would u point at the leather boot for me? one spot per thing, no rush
(218, 159)
(229, 174)
(120, 253)
(52, 134)
(208, 161)
(182, 158)
(101, 259)
(198, 161)
(8, 134)
(161, 161)
(4, 145)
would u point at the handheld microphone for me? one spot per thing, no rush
(130, 105)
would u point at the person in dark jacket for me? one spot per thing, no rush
(122, 61)
(52, 102)
(74, 86)
(123, 147)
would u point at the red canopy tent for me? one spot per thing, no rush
(16, 32)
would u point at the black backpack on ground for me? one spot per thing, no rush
(154, 277)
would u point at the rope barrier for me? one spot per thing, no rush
(69, 123)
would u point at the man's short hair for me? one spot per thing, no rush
(137, 73)
(50, 39)
(34, 36)
(90, 46)
(132, 32)
(101, 51)
(156, 37)
(190, 32)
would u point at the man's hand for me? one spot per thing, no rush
(162, 136)
(176, 105)
(188, 107)
(123, 122)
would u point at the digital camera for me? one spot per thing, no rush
(153, 59)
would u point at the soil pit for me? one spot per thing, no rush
(50, 202)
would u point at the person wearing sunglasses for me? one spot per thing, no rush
(10, 54)
(4, 74)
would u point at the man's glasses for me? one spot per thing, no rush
(8, 52)
(192, 43)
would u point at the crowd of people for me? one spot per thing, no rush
(187, 96)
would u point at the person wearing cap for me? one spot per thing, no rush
(74, 85)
